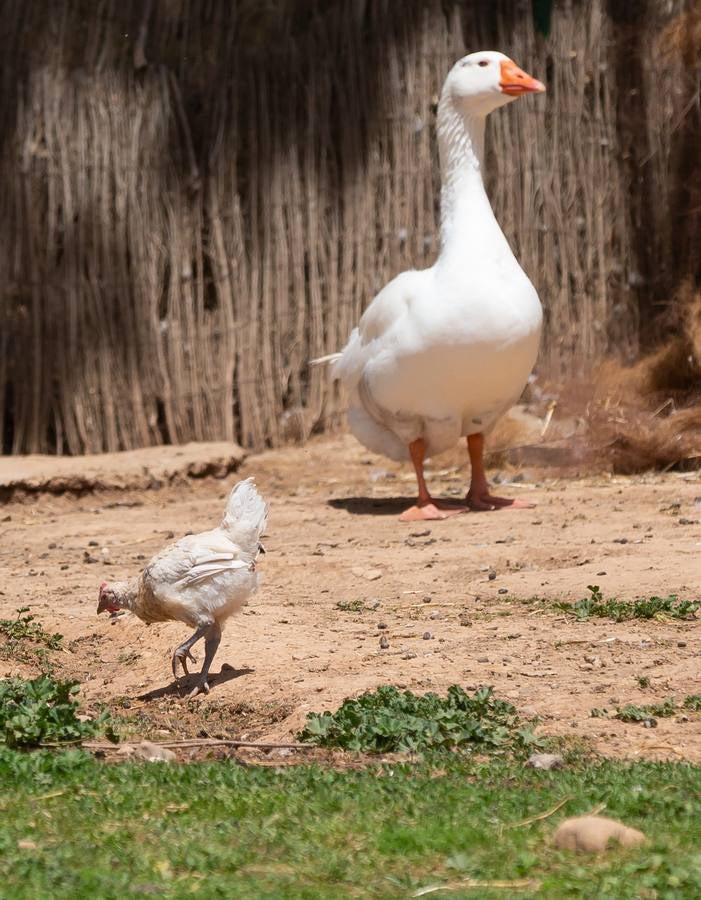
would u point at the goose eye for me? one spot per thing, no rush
(483, 62)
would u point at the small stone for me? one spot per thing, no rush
(598, 574)
(426, 599)
(88, 558)
(684, 521)
(620, 540)
(26, 844)
(594, 834)
(503, 591)
(464, 620)
(482, 659)
(418, 534)
(410, 654)
(428, 636)
(381, 626)
(368, 574)
(681, 643)
(491, 575)
(437, 615)
(92, 544)
(384, 643)
(148, 751)
(545, 761)
(170, 535)
(52, 545)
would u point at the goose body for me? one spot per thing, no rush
(443, 352)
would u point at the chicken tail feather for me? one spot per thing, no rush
(246, 516)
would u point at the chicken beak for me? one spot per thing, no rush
(515, 81)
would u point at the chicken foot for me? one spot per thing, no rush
(212, 637)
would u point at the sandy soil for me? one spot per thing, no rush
(334, 538)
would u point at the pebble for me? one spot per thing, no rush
(482, 659)
(681, 643)
(437, 615)
(410, 654)
(545, 761)
(491, 575)
(503, 591)
(428, 636)
(381, 626)
(92, 544)
(426, 599)
(594, 834)
(384, 643)
(598, 574)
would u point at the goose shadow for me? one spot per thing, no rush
(372, 506)
(385, 506)
(184, 685)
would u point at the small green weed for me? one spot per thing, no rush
(643, 681)
(693, 702)
(42, 711)
(26, 640)
(621, 610)
(351, 605)
(388, 720)
(646, 713)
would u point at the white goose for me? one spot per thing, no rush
(443, 352)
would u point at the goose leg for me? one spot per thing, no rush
(212, 640)
(478, 496)
(426, 508)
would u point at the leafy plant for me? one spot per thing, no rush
(643, 681)
(24, 629)
(388, 720)
(621, 610)
(632, 713)
(42, 711)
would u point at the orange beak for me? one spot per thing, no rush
(515, 81)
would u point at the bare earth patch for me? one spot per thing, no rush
(341, 573)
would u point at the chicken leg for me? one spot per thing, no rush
(212, 639)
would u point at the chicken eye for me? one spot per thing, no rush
(483, 62)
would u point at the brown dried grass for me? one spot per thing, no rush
(647, 416)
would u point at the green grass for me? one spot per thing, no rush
(75, 828)
(595, 606)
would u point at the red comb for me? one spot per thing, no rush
(103, 586)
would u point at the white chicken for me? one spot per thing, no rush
(201, 580)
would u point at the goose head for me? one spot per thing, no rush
(482, 82)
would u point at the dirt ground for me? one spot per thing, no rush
(455, 596)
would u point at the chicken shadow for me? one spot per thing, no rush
(186, 683)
